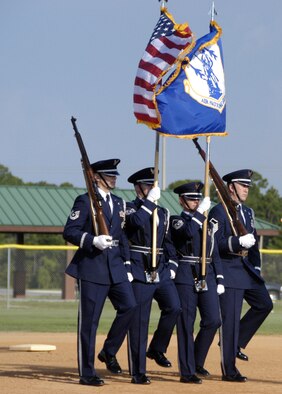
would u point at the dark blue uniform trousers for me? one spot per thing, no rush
(92, 299)
(166, 295)
(261, 305)
(231, 305)
(192, 353)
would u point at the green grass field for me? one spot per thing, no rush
(61, 316)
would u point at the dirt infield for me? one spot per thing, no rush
(56, 371)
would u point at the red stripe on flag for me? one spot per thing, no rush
(173, 45)
(143, 84)
(156, 53)
(151, 68)
(146, 118)
(138, 99)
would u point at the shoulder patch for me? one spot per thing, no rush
(177, 223)
(74, 215)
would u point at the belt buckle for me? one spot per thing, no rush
(200, 286)
(152, 277)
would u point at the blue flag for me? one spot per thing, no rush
(192, 101)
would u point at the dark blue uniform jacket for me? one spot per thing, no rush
(187, 237)
(239, 272)
(90, 263)
(139, 232)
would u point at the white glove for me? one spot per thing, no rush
(172, 274)
(247, 241)
(154, 194)
(220, 289)
(102, 241)
(130, 276)
(204, 205)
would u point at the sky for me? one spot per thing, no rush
(64, 58)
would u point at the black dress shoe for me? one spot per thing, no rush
(140, 379)
(202, 371)
(190, 379)
(234, 378)
(110, 361)
(241, 355)
(91, 381)
(159, 357)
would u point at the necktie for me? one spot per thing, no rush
(242, 214)
(109, 204)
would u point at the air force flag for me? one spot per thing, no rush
(192, 101)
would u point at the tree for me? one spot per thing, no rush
(6, 177)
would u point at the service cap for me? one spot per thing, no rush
(191, 190)
(240, 176)
(107, 167)
(146, 175)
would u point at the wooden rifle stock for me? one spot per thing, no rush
(99, 224)
(230, 206)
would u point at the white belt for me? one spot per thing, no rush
(145, 249)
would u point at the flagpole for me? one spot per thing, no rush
(205, 224)
(155, 212)
(163, 162)
(206, 194)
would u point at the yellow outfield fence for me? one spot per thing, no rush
(38, 271)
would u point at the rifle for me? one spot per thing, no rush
(230, 206)
(99, 224)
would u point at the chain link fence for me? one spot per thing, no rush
(36, 272)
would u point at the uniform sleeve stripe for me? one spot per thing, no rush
(230, 244)
(173, 262)
(146, 209)
(196, 220)
(82, 240)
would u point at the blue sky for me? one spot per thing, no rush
(63, 58)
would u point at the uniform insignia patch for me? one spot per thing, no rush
(130, 211)
(214, 224)
(177, 223)
(74, 215)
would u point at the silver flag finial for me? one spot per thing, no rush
(213, 11)
(163, 3)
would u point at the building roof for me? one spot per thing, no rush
(44, 209)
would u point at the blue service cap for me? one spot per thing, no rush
(240, 176)
(146, 175)
(107, 167)
(191, 190)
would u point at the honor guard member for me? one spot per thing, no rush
(139, 225)
(101, 266)
(241, 265)
(187, 235)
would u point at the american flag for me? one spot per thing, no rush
(167, 42)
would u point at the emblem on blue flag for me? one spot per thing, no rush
(205, 78)
(192, 101)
